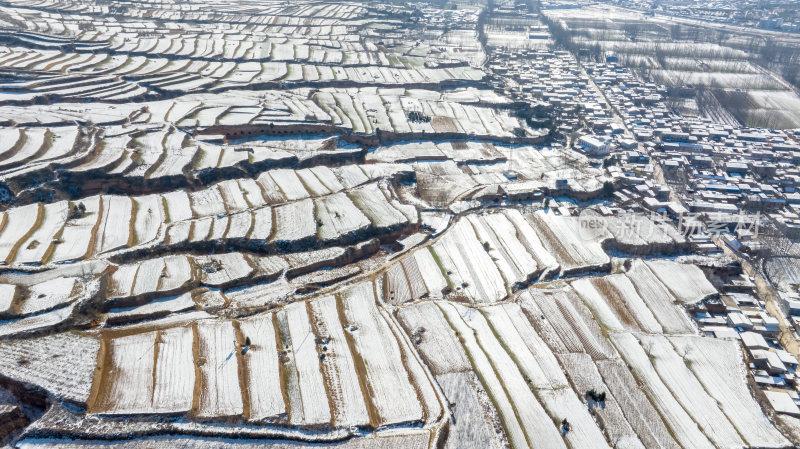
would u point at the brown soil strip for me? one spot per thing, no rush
(3, 221)
(244, 382)
(93, 239)
(156, 349)
(131, 225)
(616, 301)
(100, 379)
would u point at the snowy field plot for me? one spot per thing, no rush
(262, 368)
(110, 237)
(686, 281)
(719, 366)
(338, 217)
(510, 255)
(348, 406)
(684, 428)
(527, 235)
(77, 235)
(294, 222)
(126, 382)
(565, 323)
(463, 259)
(8, 296)
(38, 322)
(310, 394)
(637, 408)
(434, 338)
(19, 223)
(659, 299)
(616, 294)
(585, 377)
(525, 421)
(685, 387)
(779, 109)
(528, 350)
(371, 201)
(415, 279)
(396, 289)
(390, 391)
(562, 239)
(155, 309)
(38, 246)
(49, 295)
(63, 378)
(719, 80)
(584, 431)
(174, 374)
(432, 275)
(472, 426)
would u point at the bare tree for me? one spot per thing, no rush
(633, 30)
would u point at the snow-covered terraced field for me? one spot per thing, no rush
(318, 224)
(205, 216)
(331, 362)
(380, 353)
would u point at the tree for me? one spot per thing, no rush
(632, 29)
(597, 52)
(769, 51)
(608, 189)
(790, 73)
(675, 32)
(722, 36)
(773, 243)
(76, 211)
(595, 396)
(661, 57)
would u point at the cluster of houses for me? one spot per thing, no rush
(706, 175)
(711, 178)
(717, 169)
(739, 314)
(554, 81)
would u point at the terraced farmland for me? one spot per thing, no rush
(319, 224)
